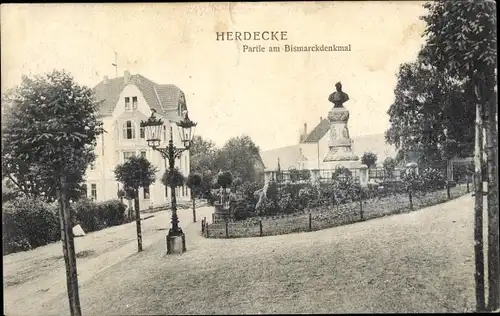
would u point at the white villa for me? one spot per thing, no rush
(125, 101)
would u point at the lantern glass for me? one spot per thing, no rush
(186, 131)
(152, 129)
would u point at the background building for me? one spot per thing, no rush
(125, 102)
(312, 148)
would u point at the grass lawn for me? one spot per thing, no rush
(326, 217)
(416, 262)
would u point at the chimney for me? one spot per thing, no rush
(321, 119)
(105, 80)
(305, 129)
(126, 77)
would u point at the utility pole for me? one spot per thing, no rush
(115, 64)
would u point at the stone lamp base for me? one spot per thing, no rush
(176, 242)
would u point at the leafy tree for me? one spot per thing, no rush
(428, 116)
(203, 155)
(369, 159)
(461, 42)
(48, 138)
(173, 177)
(193, 182)
(137, 172)
(224, 180)
(26, 117)
(239, 155)
(201, 146)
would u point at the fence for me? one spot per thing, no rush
(327, 216)
(327, 175)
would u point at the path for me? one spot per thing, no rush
(32, 278)
(416, 262)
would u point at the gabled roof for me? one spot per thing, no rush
(163, 98)
(318, 132)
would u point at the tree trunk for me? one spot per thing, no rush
(194, 206)
(478, 212)
(68, 249)
(138, 221)
(493, 222)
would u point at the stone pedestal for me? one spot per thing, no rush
(340, 144)
(176, 242)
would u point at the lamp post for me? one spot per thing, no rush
(153, 127)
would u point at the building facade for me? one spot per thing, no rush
(124, 103)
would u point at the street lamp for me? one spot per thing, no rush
(153, 127)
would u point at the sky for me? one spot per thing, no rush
(229, 92)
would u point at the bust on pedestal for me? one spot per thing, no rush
(339, 144)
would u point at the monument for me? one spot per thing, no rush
(340, 144)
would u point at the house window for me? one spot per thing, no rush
(129, 130)
(166, 191)
(134, 103)
(183, 191)
(142, 133)
(93, 191)
(127, 104)
(146, 193)
(127, 155)
(143, 154)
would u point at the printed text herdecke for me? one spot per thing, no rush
(252, 36)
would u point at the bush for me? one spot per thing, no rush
(96, 216)
(427, 180)
(369, 159)
(294, 175)
(342, 174)
(308, 196)
(389, 167)
(305, 175)
(27, 224)
(432, 180)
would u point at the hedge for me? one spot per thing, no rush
(28, 223)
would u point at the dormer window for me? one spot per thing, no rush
(134, 103)
(142, 133)
(129, 130)
(127, 104)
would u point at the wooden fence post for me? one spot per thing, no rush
(202, 226)
(411, 199)
(468, 188)
(260, 227)
(206, 229)
(361, 206)
(448, 189)
(227, 228)
(310, 221)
